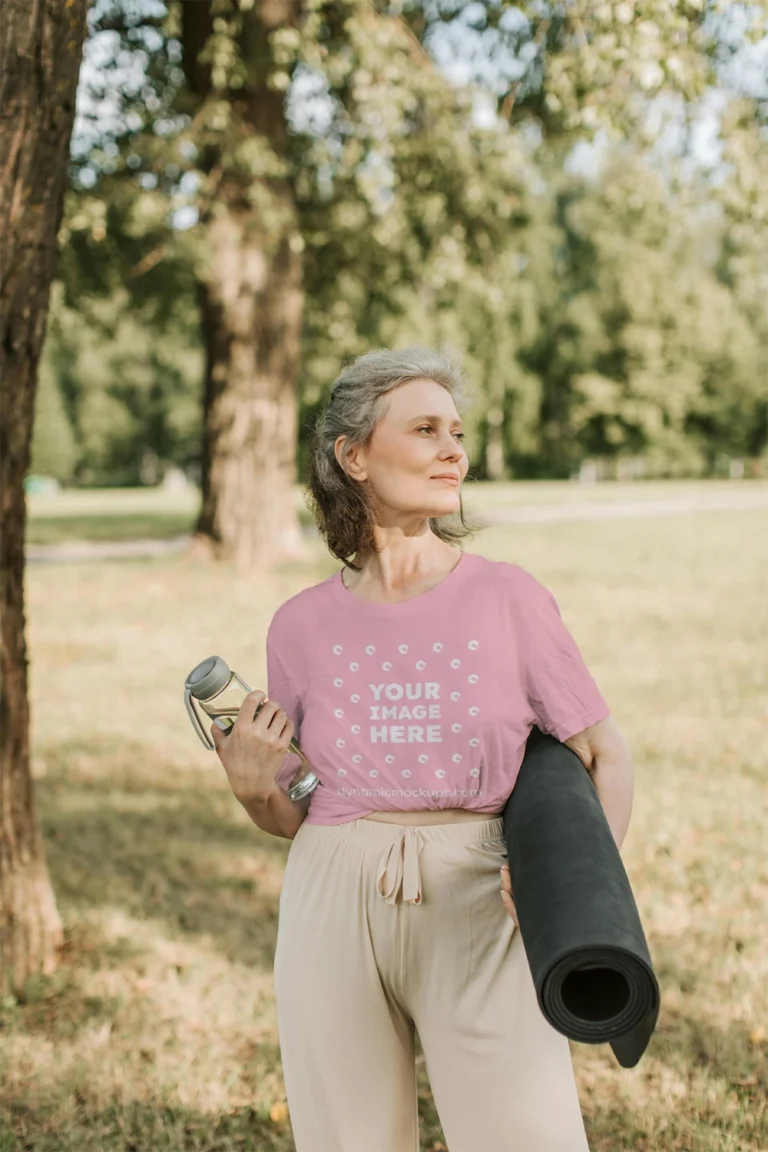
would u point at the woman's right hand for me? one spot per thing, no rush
(253, 751)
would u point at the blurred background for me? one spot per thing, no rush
(573, 195)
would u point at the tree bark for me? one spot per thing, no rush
(41, 44)
(251, 337)
(251, 299)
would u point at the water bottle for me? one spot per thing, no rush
(214, 692)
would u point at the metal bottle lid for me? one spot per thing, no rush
(208, 678)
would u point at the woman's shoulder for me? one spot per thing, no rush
(526, 593)
(514, 576)
(299, 608)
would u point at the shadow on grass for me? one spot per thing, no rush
(688, 1040)
(140, 1127)
(170, 849)
(158, 1127)
(101, 528)
(118, 525)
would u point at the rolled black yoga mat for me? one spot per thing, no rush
(576, 913)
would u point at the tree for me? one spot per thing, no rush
(41, 45)
(117, 386)
(251, 290)
(658, 360)
(269, 197)
(330, 125)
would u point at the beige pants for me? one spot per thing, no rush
(385, 928)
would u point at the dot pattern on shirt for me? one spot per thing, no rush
(407, 710)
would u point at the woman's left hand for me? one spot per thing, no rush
(506, 892)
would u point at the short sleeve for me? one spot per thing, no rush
(284, 692)
(561, 691)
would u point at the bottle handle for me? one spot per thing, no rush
(204, 737)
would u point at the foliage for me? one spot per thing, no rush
(126, 392)
(593, 316)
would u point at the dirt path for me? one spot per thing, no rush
(76, 550)
(702, 502)
(104, 550)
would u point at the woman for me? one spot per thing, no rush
(412, 678)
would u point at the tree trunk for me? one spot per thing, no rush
(252, 299)
(41, 43)
(251, 309)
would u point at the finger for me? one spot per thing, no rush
(255, 697)
(276, 721)
(509, 905)
(248, 709)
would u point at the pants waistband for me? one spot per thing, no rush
(398, 869)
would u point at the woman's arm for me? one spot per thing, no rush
(606, 755)
(276, 813)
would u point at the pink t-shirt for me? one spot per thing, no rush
(427, 703)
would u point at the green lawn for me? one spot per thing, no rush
(159, 1031)
(110, 514)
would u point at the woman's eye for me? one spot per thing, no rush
(459, 435)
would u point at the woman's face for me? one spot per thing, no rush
(419, 437)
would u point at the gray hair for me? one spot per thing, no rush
(341, 506)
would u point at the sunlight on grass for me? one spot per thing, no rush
(159, 1030)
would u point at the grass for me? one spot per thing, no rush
(110, 514)
(158, 1033)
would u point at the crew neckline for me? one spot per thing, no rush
(427, 599)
